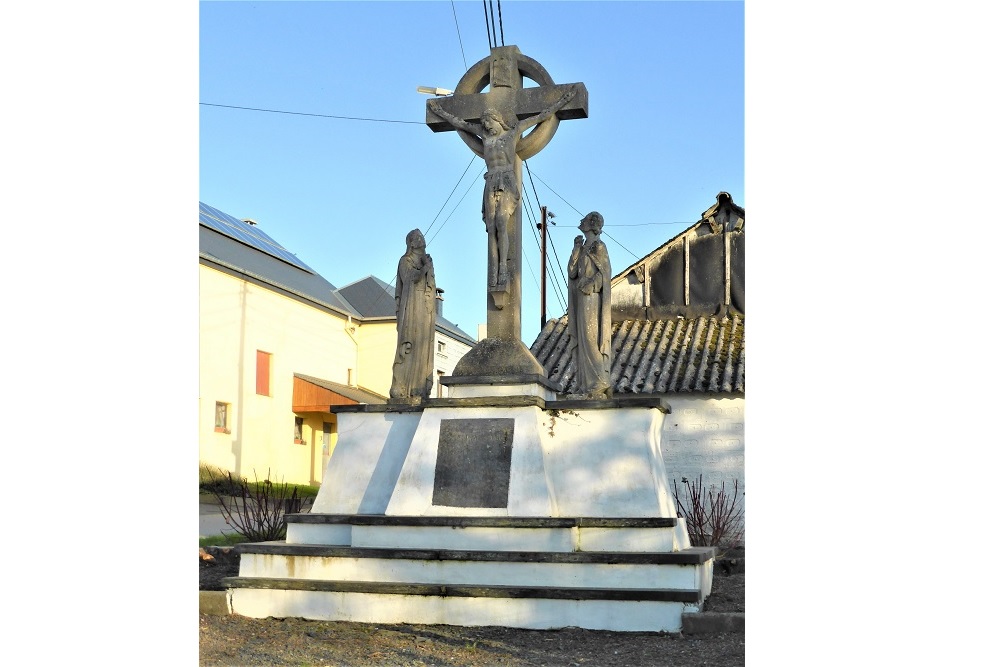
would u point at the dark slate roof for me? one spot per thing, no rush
(372, 297)
(230, 253)
(354, 393)
(700, 354)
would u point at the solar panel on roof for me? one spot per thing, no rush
(226, 224)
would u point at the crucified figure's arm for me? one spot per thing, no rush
(435, 107)
(523, 125)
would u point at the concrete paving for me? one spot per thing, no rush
(211, 522)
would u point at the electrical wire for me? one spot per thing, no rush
(549, 271)
(648, 224)
(486, 14)
(500, 12)
(453, 13)
(431, 226)
(493, 21)
(564, 284)
(456, 208)
(317, 115)
(524, 251)
(620, 245)
(581, 214)
(531, 179)
(553, 279)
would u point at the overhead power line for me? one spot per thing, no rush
(486, 15)
(317, 115)
(648, 224)
(500, 14)
(453, 13)
(474, 181)
(431, 226)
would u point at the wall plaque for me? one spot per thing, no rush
(473, 462)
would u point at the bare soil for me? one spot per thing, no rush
(295, 642)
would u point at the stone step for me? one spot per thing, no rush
(532, 607)
(490, 533)
(688, 556)
(688, 569)
(452, 521)
(469, 591)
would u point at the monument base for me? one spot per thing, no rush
(498, 357)
(499, 506)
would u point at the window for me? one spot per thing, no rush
(441, 346)
(298, 430)
(263, 373)
(327, 438)
(221, 417)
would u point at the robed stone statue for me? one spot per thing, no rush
(589, 311)
(416, 312)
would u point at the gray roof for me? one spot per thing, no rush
(354, 393)
(372, 297)
(229, 253)
(701, 354)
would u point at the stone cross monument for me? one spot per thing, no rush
(554, 511)
(492, 123)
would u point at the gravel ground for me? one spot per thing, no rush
(237, 641)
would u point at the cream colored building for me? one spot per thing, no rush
(279, 344)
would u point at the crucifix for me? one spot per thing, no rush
(492, 125)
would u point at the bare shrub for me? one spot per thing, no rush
(714, 515)
(256, 510)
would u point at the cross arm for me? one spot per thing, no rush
(529, 102)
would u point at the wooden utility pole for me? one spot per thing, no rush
(542, 226)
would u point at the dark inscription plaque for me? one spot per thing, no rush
(473, 462)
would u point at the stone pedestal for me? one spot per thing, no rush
(498, 506)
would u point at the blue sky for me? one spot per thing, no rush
(664, 136)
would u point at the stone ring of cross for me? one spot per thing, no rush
(476, 80)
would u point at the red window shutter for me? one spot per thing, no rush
(263, 373)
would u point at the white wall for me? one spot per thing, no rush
(704, 435)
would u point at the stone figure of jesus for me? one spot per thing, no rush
(589, 311)
(501, 195)
(416, 314)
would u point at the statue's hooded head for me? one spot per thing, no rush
(415, 239)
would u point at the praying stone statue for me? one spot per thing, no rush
(589, 312)
(416, 313)
(491, 123)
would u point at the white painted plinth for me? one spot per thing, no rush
(491, 390)
(531, 613)
(477, 573)
(579, 479)
(564, 463)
